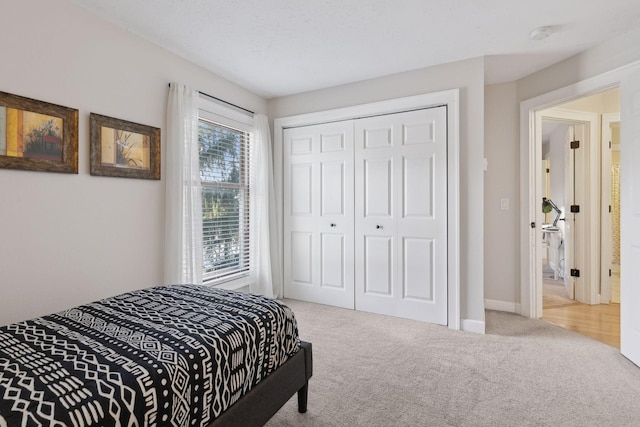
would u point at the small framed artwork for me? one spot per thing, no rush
(37, 135)
(124, 149)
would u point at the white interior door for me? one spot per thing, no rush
(318, 213)
(576, 185)
(580, 220)
(401, 214)
(630, 218)
(569, 197)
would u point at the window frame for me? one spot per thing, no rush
(217, 113)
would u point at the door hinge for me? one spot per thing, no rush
(575, 208)
(609, 272)
(533, 225)
(575, 144)
(575, 272)
(609, 144)
(609, 208)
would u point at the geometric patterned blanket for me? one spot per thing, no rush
(167, 356)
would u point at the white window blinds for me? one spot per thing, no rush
(224, 170)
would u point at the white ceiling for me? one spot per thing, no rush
(281, 47)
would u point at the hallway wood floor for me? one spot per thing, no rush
(600, 322)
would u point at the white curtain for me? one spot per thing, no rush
(183, 220)
(264, 225)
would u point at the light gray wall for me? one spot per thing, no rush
(468, 76)
(604, 57)
(68, 239)
(501, 180)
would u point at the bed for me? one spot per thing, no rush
(182, 355)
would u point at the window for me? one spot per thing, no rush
(224, 173)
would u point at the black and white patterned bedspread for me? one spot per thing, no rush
(169, 356)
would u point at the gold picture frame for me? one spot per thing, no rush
(37, 135)
(124, 149)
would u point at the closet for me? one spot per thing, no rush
(365, 214)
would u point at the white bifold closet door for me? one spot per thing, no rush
(318, 213)
(401, 215)
(365, 214)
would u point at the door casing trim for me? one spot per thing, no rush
(529, 305)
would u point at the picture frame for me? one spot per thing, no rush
(124, 149)
(37, 135)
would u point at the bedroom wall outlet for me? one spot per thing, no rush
(504, 204)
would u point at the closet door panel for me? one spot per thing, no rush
(333, 187)
(417, 222)
(377, 136)
(417, 269)
(378, 187)
(333, 261)
(378, 265)
(301, 180)
(423, 225)
(366, 214)
(417, 187)
(302, 257)
(318, 206)
(375, 249)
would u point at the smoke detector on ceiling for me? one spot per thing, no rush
(541, 33)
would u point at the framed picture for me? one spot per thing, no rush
(37, 135)
(124, 149)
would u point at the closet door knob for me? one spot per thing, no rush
(378, 227)
(332, 224)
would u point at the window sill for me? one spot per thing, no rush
(232, 285)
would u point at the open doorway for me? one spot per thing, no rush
(627, 78)
(580, 249)
(557, 134)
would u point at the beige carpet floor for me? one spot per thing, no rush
(372, 370)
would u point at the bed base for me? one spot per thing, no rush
(257, 406)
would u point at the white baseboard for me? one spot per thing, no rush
(510, 307)
(476, 326)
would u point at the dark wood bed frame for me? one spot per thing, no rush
(257, 406)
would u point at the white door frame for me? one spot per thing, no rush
(530, 239)
(450, 99)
